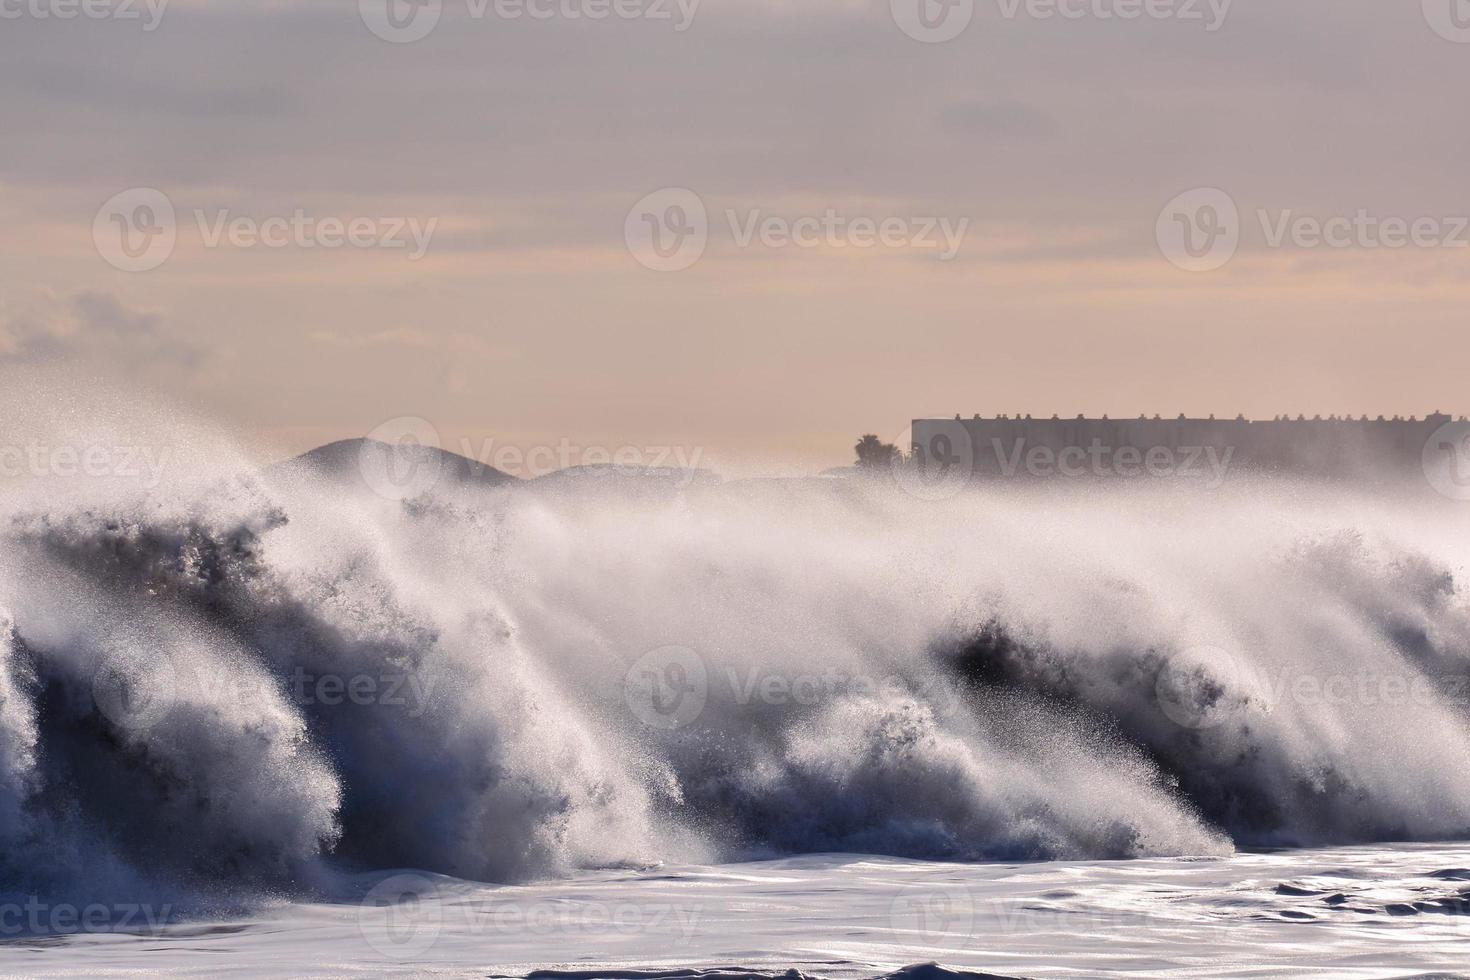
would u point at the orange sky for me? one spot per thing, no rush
(530, 319)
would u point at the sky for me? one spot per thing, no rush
(755, 229)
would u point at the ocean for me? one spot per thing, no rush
(367, 713)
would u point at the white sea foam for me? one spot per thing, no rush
(241, 684)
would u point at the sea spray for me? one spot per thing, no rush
(210, 685)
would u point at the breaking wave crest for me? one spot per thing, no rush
(244, 686)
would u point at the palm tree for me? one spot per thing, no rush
(874, 454)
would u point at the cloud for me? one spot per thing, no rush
(91, 324)
(1060, 139)
(100, 314)
(27, 339)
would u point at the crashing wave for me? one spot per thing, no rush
(245, 685)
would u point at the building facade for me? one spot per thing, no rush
(1210, 449)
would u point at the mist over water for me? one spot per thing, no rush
(242, 683)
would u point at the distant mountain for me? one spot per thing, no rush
(407, 470)
(397, 470)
